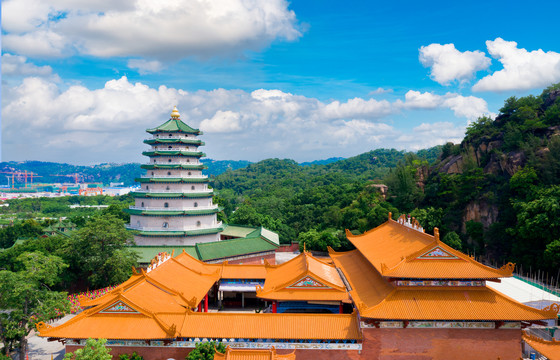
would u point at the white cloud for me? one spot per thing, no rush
(380, 90)
(165, 29)
(469, 107)
(145, 66)
(18, 65)
(448, 64)
(79, 125)
(222, 121)
(522, 69)
(427, 135)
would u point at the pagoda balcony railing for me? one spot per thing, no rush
(173, 163)
(184, 228)
(173, 208)
(204, 191)
(174, 176)
(172, 149)
(175, 137)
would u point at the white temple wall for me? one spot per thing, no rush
(174, 203)
(175, 187)
(175, 241)
(179, 223)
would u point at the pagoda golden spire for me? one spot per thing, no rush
(175, 113)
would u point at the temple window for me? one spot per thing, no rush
(195, 204)
(142, 204)
(169, 173)
(189, 172)
(169, 147)
(167, 187)
(166, 205)
(147, 187)
(165, 225)
(192, 187)
(198, 223)
(169, 160)
(170, 135)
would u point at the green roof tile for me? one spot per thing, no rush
(174, 166)
(173, 153)
(171, 195)
(234, 247)
(172, 180)
(174, 141)
(174, 125)
(171, 212)
(147, 253)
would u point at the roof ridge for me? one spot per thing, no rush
(551, 310)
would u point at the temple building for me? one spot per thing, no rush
(174, 204)
(401, 294)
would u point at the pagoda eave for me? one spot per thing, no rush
(174, 141)
(173, 180)
(172, 213)
(172, 195)
(174, 153)
(174, 166)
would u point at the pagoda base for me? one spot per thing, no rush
(189, 240)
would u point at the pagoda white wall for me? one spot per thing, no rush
(179, 223)
(175, 160)
(174, 203)
(174, 187)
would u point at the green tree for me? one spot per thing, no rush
(453, 240)
(98, 252)
(93, 350)
(26, 298)
(206, 350)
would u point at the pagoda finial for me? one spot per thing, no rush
(436, 233)
(390, 215)
(175, 113)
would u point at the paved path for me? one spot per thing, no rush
(41, 349)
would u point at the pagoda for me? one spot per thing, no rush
(174, 204)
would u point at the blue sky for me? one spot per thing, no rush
(306, 80)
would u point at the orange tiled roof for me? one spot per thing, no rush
(303, 278)
(227, 271)
(253, 354)
(400, 251)
(119, 318)
(550, 349)
(270, 326)
(367, 286)
(378, 299)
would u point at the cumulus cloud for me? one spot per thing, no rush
(107, 124)
(166, 29)
(145, 66)
(522, 69)
(222, 121)
(427, 135)
(18, 65)
(469, 107)
(447, 64)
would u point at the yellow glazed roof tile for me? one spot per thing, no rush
(253, 354)
(549, 349)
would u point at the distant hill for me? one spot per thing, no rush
(321, 162)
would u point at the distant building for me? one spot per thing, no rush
(174, 204)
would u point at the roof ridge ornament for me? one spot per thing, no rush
(409, 222)
(175, 113)
(508, 268)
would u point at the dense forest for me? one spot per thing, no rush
(496, 194)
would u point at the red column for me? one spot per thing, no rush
(274, 304)
(206, 303)
(340, 308)
(200, 307)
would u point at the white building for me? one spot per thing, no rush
(174, 204)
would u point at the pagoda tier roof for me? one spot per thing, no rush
(174, 166)
(253, 354)
(376, 298)
(549, 349)
(174, 125)
(172, 212)
(234, 247)
(400, 251)
(173, 153)
(187, 195)
(180, 233)
(174, 141)
(303, 278)
(173, 180)
(271, 326)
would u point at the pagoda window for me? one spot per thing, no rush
(154, 160)
(195, 204)
(168, 160)
(147, 187)
(152, 173)
(170, 135)
(166, 205)
(198, 223)
(188, 160)
(169, 173)
(192, 187)
(138, 223)
(167, 187)
(170, 147)
(189, 173)
(142, 204)
(165, 225)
